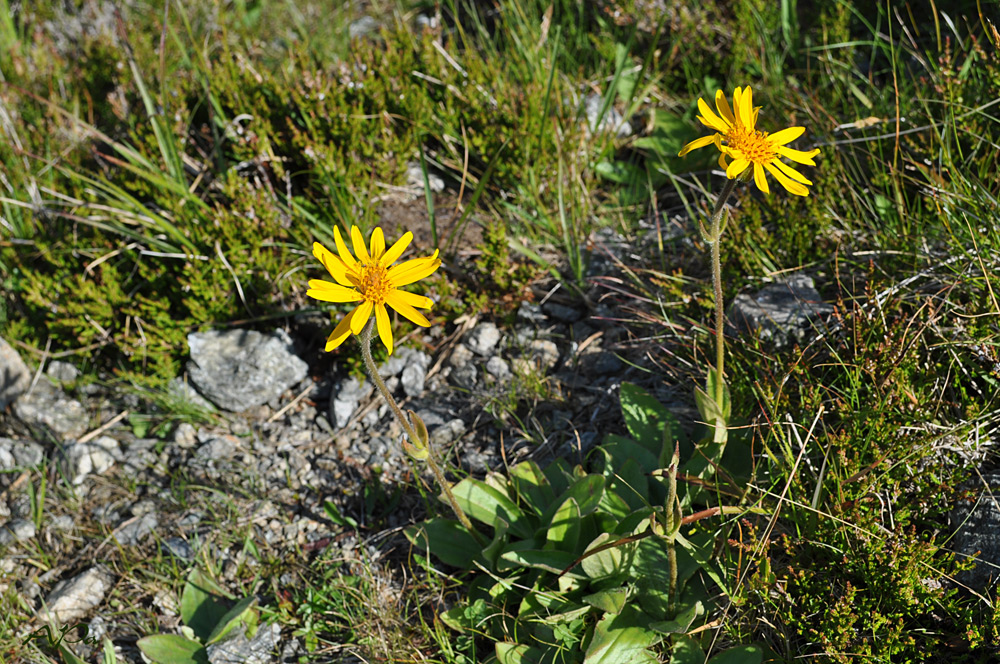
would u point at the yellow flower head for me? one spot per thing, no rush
(373, 281)
(738, 139)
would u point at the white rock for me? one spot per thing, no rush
(71, 600)
(93, 457)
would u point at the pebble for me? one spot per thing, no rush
(239, 649)
(498, 368)
(561, 312)
(15, 377)
(62, 372)
(136, 529)
(483, 339)
(16, 530)
(48, 407)
(16, 454)
(93, 457)
(72, 599)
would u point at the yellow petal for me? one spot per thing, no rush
(405, 310)
(723, 105)
(710, 119)
(384, 328)
(411, 299)
(697, 143)
(723, 164)
(359, 246)
(791, 172)
(378, 243)
(333, 264)
(345, 255)
(738, 166)
(799, 156)
(745, 109)
(330, 292)
(759, 179)
(361, 315)
(340, 333)
(790, 185)
(397, 249)
(413, 270)
(786, 135)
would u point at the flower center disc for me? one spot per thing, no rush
(753, 144)
(374, 284)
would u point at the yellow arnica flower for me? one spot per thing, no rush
(373, 281)
(738, 139)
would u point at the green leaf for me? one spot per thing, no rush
(517, 653)
(686, 651)
(632, 485)
(69, 657)
(559, 476)
(231, 619)
(608, 601)
(683, 622)
(624, 638)
(564, 530)
(532, 486)
(739, 655)
(447, 539)
(607, 563)
(550, 561)
(172, 649)
(650, 569)
(621, 172)
(710, 387)
(645, 417)
(200, 610)
(485, 503)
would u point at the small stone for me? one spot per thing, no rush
(781, 312)
(241, 369)
(17, 530)
(219, 448)
(561, 312)
(415, 178)
(71, 599)
(63, 522)
(135, 529)
(50, 408)
(464, 376)
(15, 377)
(483, 339)
(544, 353)
(178, 548)
(93, 457)
(239, 649)
(530, 313)
(62, 372)
(19, 454)
(498, 368)
(412, 380)
(601, 363)
(447, 433)
(346, 398)
(185, 435)
(612, 120)
(460, 356)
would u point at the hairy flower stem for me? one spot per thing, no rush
(720, 316)
(365, 339)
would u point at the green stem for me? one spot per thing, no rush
(365, 340)
(720, 316)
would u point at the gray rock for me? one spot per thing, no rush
(219, 448)
(177, 547)
(50, 408)
(136, 529)
(413, 379)
(185, 436)
(483, 339)
(16, 530)
(544, 354)
(241, 369)
(71, 599)
(498, 368)
(782, 312)
(561, 312)
(15, 377)
(345, 400)
(447, 433)
(239, 649)
(62, 372)
(182, 391)
(19, 454)
(612, 120)
(460, 356)
(93, 457)
(63, 522)
(530, 313)
(415, 178)
(464, 376)
(977, 532)
(601, 363)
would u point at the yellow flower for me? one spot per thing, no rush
(373, 281)
(737, 138)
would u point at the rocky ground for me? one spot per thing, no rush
(266, 436)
